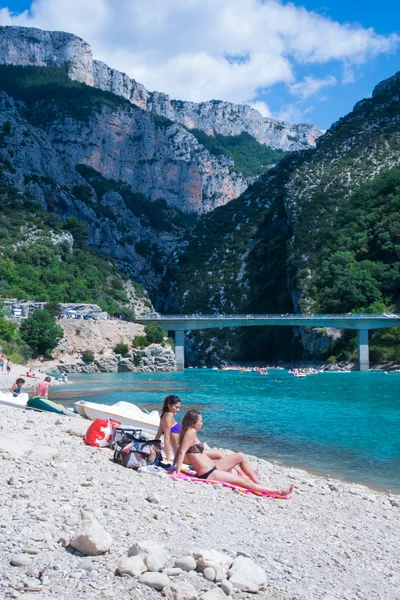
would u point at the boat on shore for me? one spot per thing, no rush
(8, 399)
(126, 413)
(38, 403)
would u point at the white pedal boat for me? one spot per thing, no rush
(16, 402)
(124, 412)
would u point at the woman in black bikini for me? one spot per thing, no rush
(171, 429)
(191, 450)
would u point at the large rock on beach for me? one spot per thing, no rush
(214, 594)
(132, 565)
(154, 555)
(187, 563)
(21, 560)
(157, 581)
(218, 561)
(91, 539)
(246, 576)
(182, 590)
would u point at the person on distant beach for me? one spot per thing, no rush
(171, 429)
(30, 373)
(42, 389)
(8, 366)
(192, 450)
(2, 359)
(16, 388)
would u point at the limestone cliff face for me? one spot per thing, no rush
(225, 118)
(30, 46)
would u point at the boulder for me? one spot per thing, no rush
(183, 590)
(107, 364)
(218, 561)
(214, 594)
(132, 566)
(153, 554)
(91, 539)
(173, 571)
(227, 587)
(125, 365)
(246, 576)
(155, 580)
(209, 574)
(187, 563)
(21, 560)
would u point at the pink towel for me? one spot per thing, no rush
(228, 485)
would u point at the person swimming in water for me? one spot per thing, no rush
(191, 450)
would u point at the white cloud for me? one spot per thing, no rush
(310, 86)
(262, 108)
(202, 49)
(294, 113)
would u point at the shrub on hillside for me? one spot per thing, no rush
(87, 356)
(127, 314)
(17, 359)
(155, 334)
(121, 348)
(18, 347)
(53, 308)
(140, 341)
(41, 332)
(7, 330)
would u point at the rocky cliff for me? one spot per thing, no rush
(101, 337)
(319, 232)
(142, 173)
(34, 47)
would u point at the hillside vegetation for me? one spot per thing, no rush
(40, 86)
(250, 157)
(39, 262)
(319, 232)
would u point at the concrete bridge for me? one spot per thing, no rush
(361, 323)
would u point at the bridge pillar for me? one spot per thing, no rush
(179, 350)
(363, 349)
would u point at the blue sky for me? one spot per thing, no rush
(305, 61)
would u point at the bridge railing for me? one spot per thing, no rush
(216, 317)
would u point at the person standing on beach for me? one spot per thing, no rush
(42, 389)
(8, 366)
(2, 359)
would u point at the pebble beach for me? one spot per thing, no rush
(154, 538)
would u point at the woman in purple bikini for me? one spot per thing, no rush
(191, 450)
(171, 429)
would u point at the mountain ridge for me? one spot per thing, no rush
(30, 46)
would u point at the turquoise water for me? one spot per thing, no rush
(344, 424)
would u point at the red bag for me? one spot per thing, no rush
(100, 433)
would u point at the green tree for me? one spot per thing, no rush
(77, 229)
(53, 308)
(41, 332)
(7, 330)
(87, 356)
(155, 334)
(121, 348)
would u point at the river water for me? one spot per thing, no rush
(343, 424)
